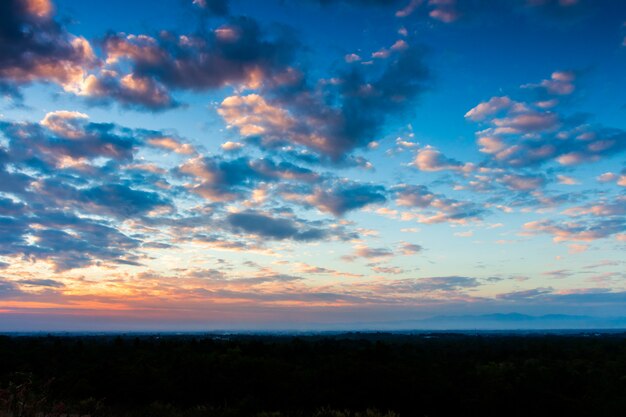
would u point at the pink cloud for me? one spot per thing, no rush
(430, 159)
(488, 108)
(409, 8)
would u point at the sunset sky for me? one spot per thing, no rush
(309, 164)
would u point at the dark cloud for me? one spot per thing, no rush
(138, 71)
(239, 52)
(593, 296)
(72, 242)
(11, 182)
(34, 47)
(524, 295)
(131, 91)
(265, 279)
(221, 242)
(65, 184)
(9, 289)
(410, 248)
(451, 283)
(436, 208)
(64, 136)
(268, 169)
(522, 134)
(331, 118)
(600, 219)
(579, 230)
(447, 284)
(221, 179)
(266, 226)
(12, 234)
(10, 208)
(414, 195)
(342, 197)
(49, 283)
(576, 146)
(122, 201)
(522, 182)
(590, 297)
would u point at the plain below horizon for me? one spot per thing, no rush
(21, 323)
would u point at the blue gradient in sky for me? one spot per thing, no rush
(313, 164)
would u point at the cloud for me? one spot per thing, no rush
(362, 251)
(584, 231)
(567, 180)
(238, 53)
(34, 47)
(129, 90)
(216, 7)
(65, 240)
(232, 146)
(527, 134)
(577, 248)
(522, 182)
(489, 108)
(122, 201)
(410, 248)
(444, 10)
(219, 179)
(64, 138)
(171, 144)
(352, 58)
(409, 8)
(9, 289)
(65, 123)
(252, 115)
(137, 71)
(343, 197)
(619, 179)
(451, 283)
(450, 11)
(414, 196)
(394, 270)
(524, 295)
(434, 208)
(76, 194)
(266, 226)
(430, 159)
(8, 207)
(602, 208)
(68, 163)
(529, 121)
(433, 286)
(333, 118)
(560, 83)
(67, 184)
(48, 283)
(378, 3)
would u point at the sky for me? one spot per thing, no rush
(310, 164)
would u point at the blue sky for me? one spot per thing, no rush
(309, 164)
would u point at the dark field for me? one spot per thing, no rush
(354, 374)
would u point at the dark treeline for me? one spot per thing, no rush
(339, 375)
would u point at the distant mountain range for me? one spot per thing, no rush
(465, 323)
(511, 321)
